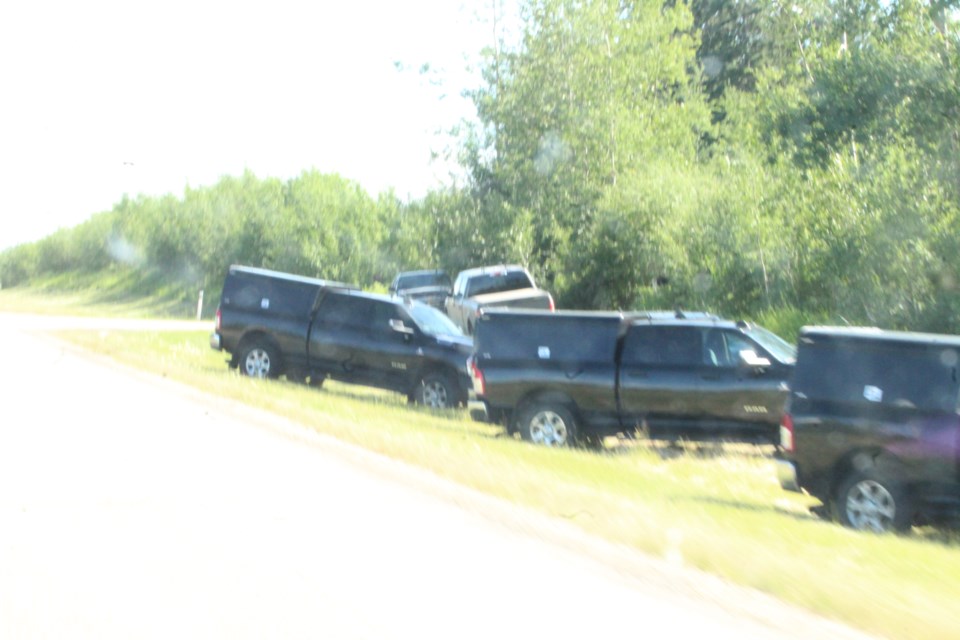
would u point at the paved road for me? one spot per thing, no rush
(133, 507)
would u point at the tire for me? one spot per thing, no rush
(259, 360)
(867, 501)
(436, 392)
(548, 424)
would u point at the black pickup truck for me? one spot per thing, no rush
(872, 426)
(566, 376)
(273, 323)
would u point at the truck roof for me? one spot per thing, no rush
(875, 334)
(497, 268)
(282, 275)
(634, 317)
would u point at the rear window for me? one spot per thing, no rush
(497, 282)
(551, 337)
(923, 377)
(423, 280)
(252, 292)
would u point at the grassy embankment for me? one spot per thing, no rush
(717, 509)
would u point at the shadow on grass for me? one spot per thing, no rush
(811, 515)
(380, 398)
(946, 535)
(675, 449)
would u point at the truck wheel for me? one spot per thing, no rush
(548, 424)
(259, 360)
(436, 391)
(869, 502)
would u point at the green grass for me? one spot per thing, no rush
(117, 292)
(719, 509)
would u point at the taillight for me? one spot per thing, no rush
(216, 322)
(786, 433)
(479, 384)
(553, 307)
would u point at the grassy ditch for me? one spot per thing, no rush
(719, 508)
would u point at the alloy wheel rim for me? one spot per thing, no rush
(870, 506)
(258, 363)
(549, 429)
(435, 395)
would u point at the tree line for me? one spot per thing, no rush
(749, 157)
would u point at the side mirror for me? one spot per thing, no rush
(400, 327)
(750, 358)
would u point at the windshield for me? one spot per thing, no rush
(433, 322)
(416, 281)
(777, 346)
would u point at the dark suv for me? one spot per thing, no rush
(871, 427)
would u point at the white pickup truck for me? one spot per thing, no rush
(489, 287)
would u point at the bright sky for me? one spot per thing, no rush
(104, 97)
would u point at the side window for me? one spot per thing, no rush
(715, 352)
(640, 347)
(737, 343)
(682, 346)
(722, 348)
(665, 346)
(341, 311)
(330, 313)
(380, 315)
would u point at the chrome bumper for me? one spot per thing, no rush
(787, 475)
(478, 410)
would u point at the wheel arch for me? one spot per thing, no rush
(443, 369)
(872, 458)
(545, 396)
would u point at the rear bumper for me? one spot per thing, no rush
(787, 475)
(216, 342)
(478, 410)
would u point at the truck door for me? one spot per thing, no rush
(336, 335)
(659, 374)
(732, 391)
(390, 353)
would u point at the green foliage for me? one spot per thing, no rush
(738, 157)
